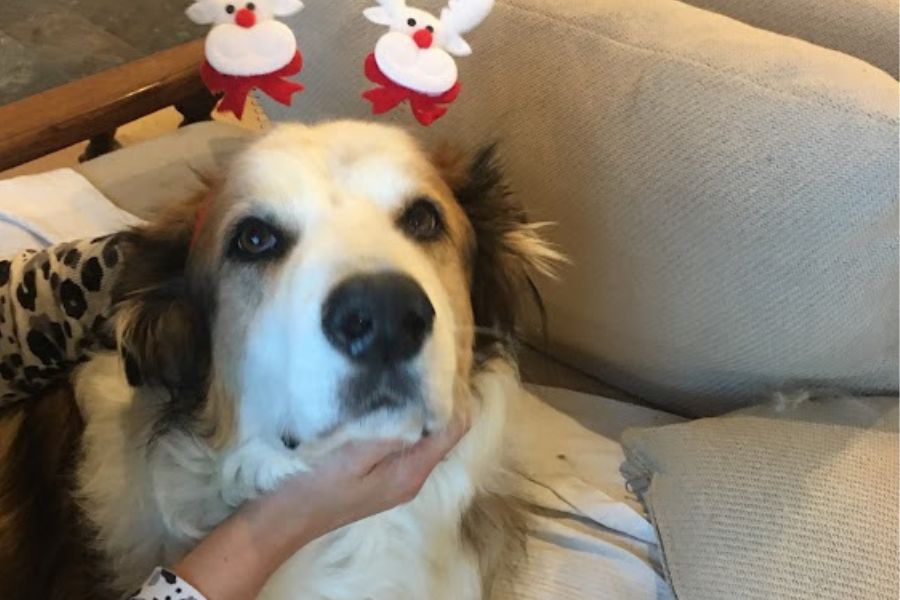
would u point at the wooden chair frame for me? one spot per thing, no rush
(93, 107)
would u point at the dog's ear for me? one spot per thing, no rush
(162, 322)
(506, 248)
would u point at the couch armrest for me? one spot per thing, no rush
(71, 113)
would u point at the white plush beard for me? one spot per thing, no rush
(244, 51)
(430, 71)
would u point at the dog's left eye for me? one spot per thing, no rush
(422, 220)
(255, 240)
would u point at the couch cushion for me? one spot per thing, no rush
(155, 174)
(866, 29)
(794, 501)
(728, 195)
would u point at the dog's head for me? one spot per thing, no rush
(337, 283)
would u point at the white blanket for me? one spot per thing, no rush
(590, 539)
(37, 211)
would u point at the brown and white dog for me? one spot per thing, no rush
(339, 284)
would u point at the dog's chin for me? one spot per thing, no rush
(408, 424)
(391, 404)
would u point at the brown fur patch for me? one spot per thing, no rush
(44, 543)
(452, 163)
(494, 527)
(164, 323)
(504, 246)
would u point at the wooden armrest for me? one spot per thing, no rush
(71, 113)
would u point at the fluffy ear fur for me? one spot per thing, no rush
(162, 324)
(506, 245)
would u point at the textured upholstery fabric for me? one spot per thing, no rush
(173, 168)
(767, 504)
(866, 29)
(728, 195)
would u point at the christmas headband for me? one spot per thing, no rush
(248, 48)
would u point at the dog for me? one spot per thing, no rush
(338, 284)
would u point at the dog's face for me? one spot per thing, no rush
(330, 288)
(341, 285)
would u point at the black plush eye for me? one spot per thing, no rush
(429, 28)
(422, 221)
(229, 9)
(251, 6)
(256, 240)
(411, 22)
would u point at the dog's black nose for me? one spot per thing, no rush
(379, 319)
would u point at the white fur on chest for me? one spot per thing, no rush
(413, 551)
(151, 507)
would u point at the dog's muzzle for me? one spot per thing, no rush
(380, 322)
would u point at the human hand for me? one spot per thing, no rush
(356, 481)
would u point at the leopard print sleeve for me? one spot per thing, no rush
(166, 584)
(54, 304)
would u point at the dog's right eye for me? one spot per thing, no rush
(422, 221)
(255, 239)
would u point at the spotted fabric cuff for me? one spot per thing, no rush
(166, 585)
(54, 309)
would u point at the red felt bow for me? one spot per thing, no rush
(427, 109)
(236, 88)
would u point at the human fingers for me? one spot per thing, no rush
(434, 448)
(402, 475)
(361, 457)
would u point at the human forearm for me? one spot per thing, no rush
(238, 557)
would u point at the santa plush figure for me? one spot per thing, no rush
(414, 61)
(248, 48)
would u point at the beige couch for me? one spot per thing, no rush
(729, 197)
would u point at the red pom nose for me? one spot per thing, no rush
(245, 18)
(423, 38)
